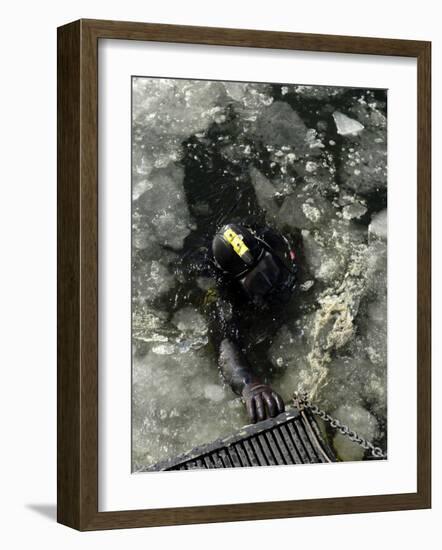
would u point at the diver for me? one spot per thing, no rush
(255, 273)
(250, 269)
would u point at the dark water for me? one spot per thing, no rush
(207, 152)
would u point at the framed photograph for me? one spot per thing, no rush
(243, 274)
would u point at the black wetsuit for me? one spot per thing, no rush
(234, 318)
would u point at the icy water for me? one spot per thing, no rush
(312, 163)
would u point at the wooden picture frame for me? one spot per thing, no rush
(77, 461)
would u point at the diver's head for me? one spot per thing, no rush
(263, 273)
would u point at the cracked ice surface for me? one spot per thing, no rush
(314, 159)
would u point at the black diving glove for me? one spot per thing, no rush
(261, 401)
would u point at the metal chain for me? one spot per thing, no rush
(302, 402)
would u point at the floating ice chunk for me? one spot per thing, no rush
(192, 342)
(294, 213)
(311, 212)
(353, 380)
(150, 320)
(327, 269)
(162, 209)
(152, 281)
(323, 263)
(345, 125)
(369, 115)
(265, 192)
(178, 403)
(236, 90)
(143, 238)
(307, 285)
(286, 348)
(214, 392)
(280, 125)
(377, 312)
(358, 420)
(164, 349)
(353, 211)
(139, 187)
(378, 226)
(174, 107)
(312, 139)
(188, 319)
(249, 100)
(376, 343)
(363, 167)
(311, 166)
(319, 93)
(148, 326)
(166, 111)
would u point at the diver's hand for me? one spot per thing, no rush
(261, 401)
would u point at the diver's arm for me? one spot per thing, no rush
(225, 335)
(235, 368)
(261, 401)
